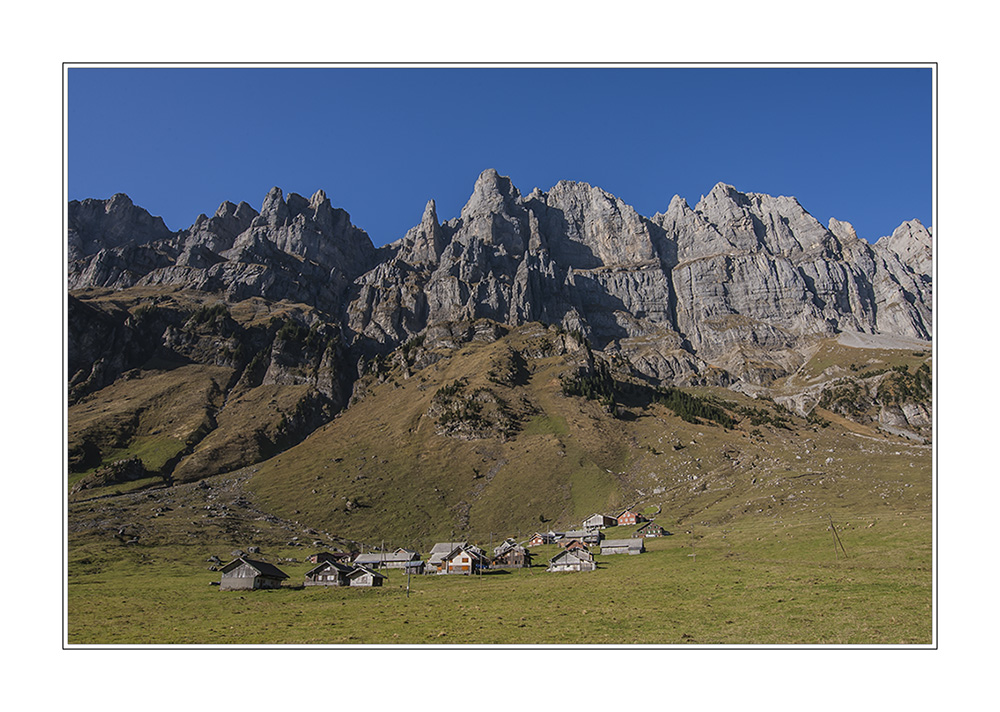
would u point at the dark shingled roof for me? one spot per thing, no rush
(332, 565)
(263, 567)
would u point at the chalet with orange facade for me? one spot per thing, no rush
(628, 518)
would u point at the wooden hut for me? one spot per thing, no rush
(541, 538)
(328, 573)
(510, 555)
(651, 529)
(599, 521)
(575, 560)
(465, 560)
(622, 546)
(362, 576)
(248, 574)
(439, 552)
(387, 559)
(587, 536)
(573, 544)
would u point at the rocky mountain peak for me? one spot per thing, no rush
(842, 230)
(721, 193)
(913, 244)
(225, 210)
(96, 225)
(274, 210)
(318, 199)
(430, 213)
(424, 243)
(730, 283)
(117, 202)
(491, 194)
(297, 205)
(678, 204)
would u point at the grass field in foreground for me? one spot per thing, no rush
(764, 582)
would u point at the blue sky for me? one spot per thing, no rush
(853, 143)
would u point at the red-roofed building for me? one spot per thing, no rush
(628, 517)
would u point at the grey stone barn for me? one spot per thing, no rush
(328, 573)
(622, 546)
(248, 574)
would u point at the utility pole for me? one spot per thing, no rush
(836, 540)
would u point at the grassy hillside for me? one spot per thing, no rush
(382, 469)
(409, 484)
(210, 387)
(482, 440)
(762, 582)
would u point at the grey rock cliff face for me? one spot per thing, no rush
(741, 281)
(295, 249)
(760, 270)
(95, 225)
(739, 278)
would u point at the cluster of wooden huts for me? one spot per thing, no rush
(576, 554)
(243, 574)
(454, 557)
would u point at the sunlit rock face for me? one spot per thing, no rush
(741, 282)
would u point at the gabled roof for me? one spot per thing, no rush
(506, 546)
(379, 557)
(578, 554)
(360, 570)
(512, 550)
(262, 567)
(474, 551)
(340, 568)
(446, 547)
(443, 550)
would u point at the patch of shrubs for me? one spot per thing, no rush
(595, 384)
(761, 416)
(143, 313)
(598, 384)
(408, 349)
(815, 419)
(477, 414)
(206, 314)
(852, 398)
(692, 409)
(901, 386)
(508, 369)
(846, 397)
